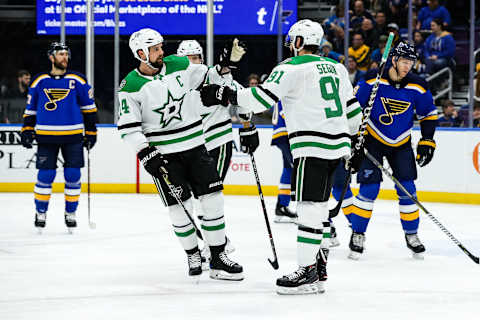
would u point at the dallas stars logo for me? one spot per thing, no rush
(170, 110)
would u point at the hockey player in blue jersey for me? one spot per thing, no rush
(401, 95)
(61, 115)
(280, 140)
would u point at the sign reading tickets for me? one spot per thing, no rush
(169, 17)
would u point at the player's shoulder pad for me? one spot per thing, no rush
(133, 82)
(371, 75)
(417, 83)
(174, 63)
(37, 78)
(80, 77)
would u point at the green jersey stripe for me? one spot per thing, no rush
(186, 233)
(177, 140)
(213, 228)
(308, 240)
(319, 145)
(218, 134)
(260, 99)
(353, 113)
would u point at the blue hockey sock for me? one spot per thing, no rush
(72, 188)
(43, 189)
(409, 214)
(284, 187)
(363, 206)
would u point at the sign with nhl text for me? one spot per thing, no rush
(169, 17)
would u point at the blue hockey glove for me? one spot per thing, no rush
(28, 135)
(425, 150)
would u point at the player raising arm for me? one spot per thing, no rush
(321, 115)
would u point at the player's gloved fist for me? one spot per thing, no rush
(232, 53)
(357, 155)
(89, 140)
(214, 94)
(153, 161)
(425, 150)
(249, 139)
(27, 138)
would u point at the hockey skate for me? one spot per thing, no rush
(334, 242)
(40, 221)
(194, 263)
(415, 245)
(284, 215)
(70, 221)
(229, 248)
(356, 245)
(222, 268)
(302, 281)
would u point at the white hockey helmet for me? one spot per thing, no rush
(304, 32)
(189, 47)
(142, 40)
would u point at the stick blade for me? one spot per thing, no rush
(274, 263)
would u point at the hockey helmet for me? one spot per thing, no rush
(57, 47)
(404, 50)
(190, 47)
(142, 40)
(302, 33)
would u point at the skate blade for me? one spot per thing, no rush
(39, 230)
(418, 256)
(354, 255)
(70, 230)
(283, 219)
(195, 278)
(334, 243)
(311, 288)
(223, 275)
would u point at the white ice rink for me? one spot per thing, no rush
(132, 266)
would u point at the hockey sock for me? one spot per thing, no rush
(183, 228)
(310, 235)
(72, 188)
(347, 203)
(363, 206)
(43, 189)
(213, 223)
(284, 187)
(409, 214)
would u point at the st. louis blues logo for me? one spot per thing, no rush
(54, 95)
(170, 110)
(392, 108)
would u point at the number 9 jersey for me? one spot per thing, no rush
(321, 111)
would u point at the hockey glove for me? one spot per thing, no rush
(153, 161)
(213, 94)
(89, 140)
(357, 156)
(425, 149)
(28, 135)
(249, 139)
(232, 53)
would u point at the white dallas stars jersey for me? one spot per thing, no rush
(153, 111)
(320, 109)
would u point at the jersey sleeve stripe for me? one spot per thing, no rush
(218, 125)
(353, 113)
(30, 113)
(432, 117)
(173, 131)
(318, 134)
(130, 125)
(415, 86)
(260, 99)
(351, 101)
(269, 94)
(89, 106)
(89, 110)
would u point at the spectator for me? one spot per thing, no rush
(393, 27)
(439, 48)
(326, 50)
(450, 116)
(433, 11)
(354, 74)
(20, 89)
(381, 20)
(360, 51)
(253, 80)
(337, 19)
(370, 33)
(398, 12)
(377, 53)
(375, 5)
(359, 13)
(419, 43)
(338, 40)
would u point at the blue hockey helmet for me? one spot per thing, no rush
(56, 47)
(404, 50)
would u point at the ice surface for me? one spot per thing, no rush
(132, 266)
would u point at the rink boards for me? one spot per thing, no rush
(452, 176)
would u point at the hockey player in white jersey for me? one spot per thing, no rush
(321, 115)
(167, 136)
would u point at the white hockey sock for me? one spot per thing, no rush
(183, 228)
(311, 216)
(213, 223)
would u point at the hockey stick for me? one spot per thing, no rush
(180, 202)
(274, 263)
(414, 199)
(91, 224)
(363, 126)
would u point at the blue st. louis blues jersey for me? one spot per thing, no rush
(60, 108)
(395, 106)
(280, 134)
